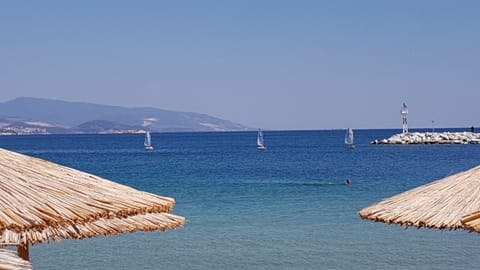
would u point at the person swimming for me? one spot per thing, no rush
(348, 182)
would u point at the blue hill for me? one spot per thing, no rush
(78, 115)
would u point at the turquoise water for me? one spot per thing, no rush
(284, 208)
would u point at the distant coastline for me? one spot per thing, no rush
(43, 131)
(34, 116)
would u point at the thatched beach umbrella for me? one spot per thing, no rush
(42, 201)
(10, 261)
(449, 203)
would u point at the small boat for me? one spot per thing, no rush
(349, 138)
(148, 142)
(260, 143)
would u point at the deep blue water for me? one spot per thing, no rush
(284, 208)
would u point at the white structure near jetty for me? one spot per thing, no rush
(404, 112)
(432, 138)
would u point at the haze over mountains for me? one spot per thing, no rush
(36, 115)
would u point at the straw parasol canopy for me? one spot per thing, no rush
(450, 203)
(10, 261)
(42, 201)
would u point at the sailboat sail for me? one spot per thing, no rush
(349, 137)
(260, 142)
(148, 141)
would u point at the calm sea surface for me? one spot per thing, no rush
(285, 208)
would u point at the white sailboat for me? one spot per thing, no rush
(349, 138)
(260, 143)
(148, 141)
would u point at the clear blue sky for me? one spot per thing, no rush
(270, 64)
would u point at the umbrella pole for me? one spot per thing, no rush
(23, 251)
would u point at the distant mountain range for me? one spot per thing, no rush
(45, 116)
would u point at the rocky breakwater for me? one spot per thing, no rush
(432, 138)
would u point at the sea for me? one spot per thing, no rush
(283, 208)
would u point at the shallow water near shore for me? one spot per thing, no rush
(283, 208)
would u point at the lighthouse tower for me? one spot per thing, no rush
(404, 112)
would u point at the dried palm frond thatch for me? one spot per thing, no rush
(10, 261)
(441, 204)
(42, 201)
(472, 221)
